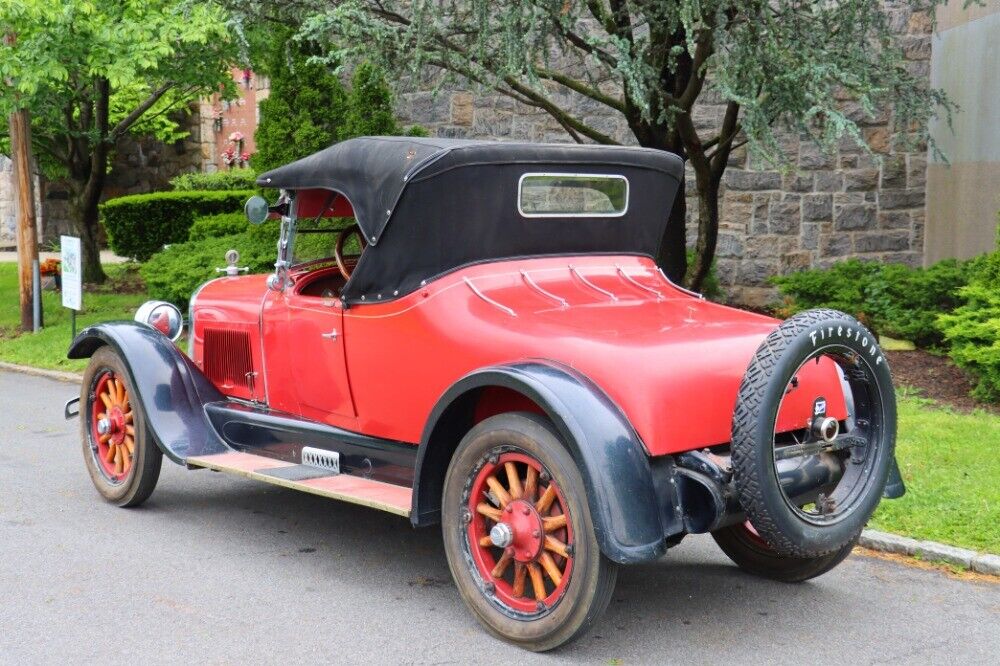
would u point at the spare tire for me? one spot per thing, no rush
(863, 442)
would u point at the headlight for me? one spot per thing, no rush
(162, 316)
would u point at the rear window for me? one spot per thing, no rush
(572, 195)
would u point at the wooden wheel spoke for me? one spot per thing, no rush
(104, 438)
(530, 484)
(550, 567)
(110, 456)
(102, 415)
(537, 584)
(502, 565)
(556, 546)
(122, 393)
(554, 523)
(130, 430)
(106, 399)
(119, 460)
(520, 576)
(513, 480)
(501, 494)
(485, 541)
(545, 501)
(128, 417)
(130, 444)
(490, 512)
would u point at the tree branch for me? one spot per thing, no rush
(582, 88)
(125, 123)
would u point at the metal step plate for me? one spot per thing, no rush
(328, 460)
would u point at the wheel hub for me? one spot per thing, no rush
(526, 527)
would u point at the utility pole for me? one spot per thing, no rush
(27, 238)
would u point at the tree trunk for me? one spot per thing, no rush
(27, 240)
(85, 217)
(708, 231)
(673, 247)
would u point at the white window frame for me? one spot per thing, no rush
(609, 176)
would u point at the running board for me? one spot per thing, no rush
(311, 479)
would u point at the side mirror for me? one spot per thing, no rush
(256, 209)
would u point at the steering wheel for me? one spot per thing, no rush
(347, 263)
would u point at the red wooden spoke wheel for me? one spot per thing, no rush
(112, 427)
(520, 536)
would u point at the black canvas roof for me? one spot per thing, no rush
(429, 205)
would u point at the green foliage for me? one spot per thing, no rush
(369, 105)
(233, 179)
(305, 110)
(891, 299)
(71, 54)
(140, 225)
(973, 330)
(217, 226)
(710, 287)
(173, 274)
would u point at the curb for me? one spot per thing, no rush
(983, 563)
(59, 375)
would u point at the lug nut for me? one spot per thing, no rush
(536, 534)
(526, 511)
(490, 588)
(540, 605)
(466, 517)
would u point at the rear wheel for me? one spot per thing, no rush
(519, 536)
(118, 449)
(745, 547)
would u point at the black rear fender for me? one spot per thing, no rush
(610, 456)
(171, 390)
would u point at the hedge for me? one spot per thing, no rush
(217, 226)
(891, 299)
(235, 179)
(140, 225)
(173, 274)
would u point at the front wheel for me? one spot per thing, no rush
(118, 449)
(519, 536)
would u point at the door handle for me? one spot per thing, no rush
(332, 335)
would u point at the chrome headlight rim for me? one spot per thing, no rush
(162, 316)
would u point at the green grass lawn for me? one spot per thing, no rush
(47, 348)
(951, 466)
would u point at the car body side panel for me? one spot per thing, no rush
(670, 361)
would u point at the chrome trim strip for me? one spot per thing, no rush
(590, 284)
(488, 299)
(531, 283)
(631, 280)
(677, 286)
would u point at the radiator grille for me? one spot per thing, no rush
(228, 361)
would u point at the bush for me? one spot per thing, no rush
(891, 299)
(174, 274)
(973, 330)
(217, 226)
(235, 179)
(140, 225)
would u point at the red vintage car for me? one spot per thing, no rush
(500, 354)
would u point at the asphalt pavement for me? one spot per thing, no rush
(220, 570)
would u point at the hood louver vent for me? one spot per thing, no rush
(228, 361)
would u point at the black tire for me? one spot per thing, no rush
(138, 482)
(588, 588)
(750, 554)
(786, 528)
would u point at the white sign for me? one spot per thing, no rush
(72, 283)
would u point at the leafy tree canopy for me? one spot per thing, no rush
(91, 71)
(809, 67)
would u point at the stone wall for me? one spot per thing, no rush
(827, 208)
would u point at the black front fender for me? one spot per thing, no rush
(171, 390)
(611, 458)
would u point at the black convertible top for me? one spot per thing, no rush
(453, 202)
